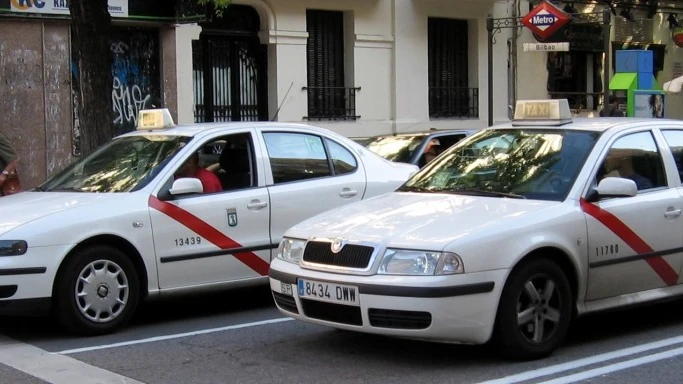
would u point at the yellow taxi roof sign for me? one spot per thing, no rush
(154, 119)
(542, 112)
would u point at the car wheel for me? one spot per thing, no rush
(97, 291)
(534, 312)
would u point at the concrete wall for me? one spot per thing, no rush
(35, 95)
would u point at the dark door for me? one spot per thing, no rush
(229, 69)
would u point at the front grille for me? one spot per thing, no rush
(351, 256)
(386, 318)
(336, 313)
(285, 302)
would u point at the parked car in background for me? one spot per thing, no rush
(122, 224)
(414, 148)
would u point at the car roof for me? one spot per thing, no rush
(226, 126)
(597, 124)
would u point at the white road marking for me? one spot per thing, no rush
(616, 367)
(553, 369)
(173, 336)
(55, 369)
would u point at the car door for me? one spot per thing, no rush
(674, 141)
(634, 243)
(308, 174)
(215, 237)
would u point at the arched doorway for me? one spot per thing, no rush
(229, 68)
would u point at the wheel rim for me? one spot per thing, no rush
(539, 309)
(102, 291)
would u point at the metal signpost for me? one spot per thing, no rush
(545, 20)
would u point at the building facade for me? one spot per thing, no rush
(358, 67)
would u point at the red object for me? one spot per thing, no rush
(545, 19)
(677, 36)
(210, 181)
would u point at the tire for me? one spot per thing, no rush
(520, 339)
(90, 302)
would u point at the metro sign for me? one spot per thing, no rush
(545, 19)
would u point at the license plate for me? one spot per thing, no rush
(329, 292)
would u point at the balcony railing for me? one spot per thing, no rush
(458, 102)
(331, 103)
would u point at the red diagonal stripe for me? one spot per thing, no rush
(210, 233)
(658, 264)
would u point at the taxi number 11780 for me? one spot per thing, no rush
(329, 292)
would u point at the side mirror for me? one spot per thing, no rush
(614, 187)
(186, 185)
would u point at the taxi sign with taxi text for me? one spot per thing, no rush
(545, 19)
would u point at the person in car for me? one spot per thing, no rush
(191, 168)
(618, 163)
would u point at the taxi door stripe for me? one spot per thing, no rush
(210, 233)
(619, 228)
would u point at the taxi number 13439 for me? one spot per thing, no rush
(330, 292)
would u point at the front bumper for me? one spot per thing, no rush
(455, 308)
(26, 281)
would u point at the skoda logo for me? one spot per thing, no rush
(337, 245)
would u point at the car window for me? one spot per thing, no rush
(296, 156)
(396, 148)
(231, 159)
(531, 163)
(122, 165)
(636, 157)
(343, 161)
(675, 141)
(447, 141)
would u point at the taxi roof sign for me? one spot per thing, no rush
(542, 112)
(154, 119)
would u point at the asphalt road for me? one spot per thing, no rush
(239, 337)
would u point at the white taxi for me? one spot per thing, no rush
(120, 225)
(505, 237)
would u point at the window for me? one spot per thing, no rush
(328, 96)
(343, 161)
(635, 157)
(296, 156)
(449, 92)
(675, 141)
(230, 158)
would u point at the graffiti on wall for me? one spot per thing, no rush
(136, 82)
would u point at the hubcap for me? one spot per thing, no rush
(539, 309)
(101, 291)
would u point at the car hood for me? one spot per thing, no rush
(25, 207)
(419, 219)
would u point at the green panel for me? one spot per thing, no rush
(624, 81)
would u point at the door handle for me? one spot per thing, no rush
(255, 204)
(673, 213)
(346, 192)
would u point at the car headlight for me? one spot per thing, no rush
(420, 263)
(13, 247)
(291, 250)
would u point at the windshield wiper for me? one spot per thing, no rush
(67, 189)
(480, 192)
(414, 189)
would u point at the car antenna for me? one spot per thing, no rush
(282, 102)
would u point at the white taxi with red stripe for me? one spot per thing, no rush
(507, 236)
(133, 220)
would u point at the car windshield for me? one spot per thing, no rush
(124, 164)
(520, 163)
(395, 148)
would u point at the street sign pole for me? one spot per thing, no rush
(606, 21)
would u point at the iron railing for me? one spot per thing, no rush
(331, 103)
(453, 102)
